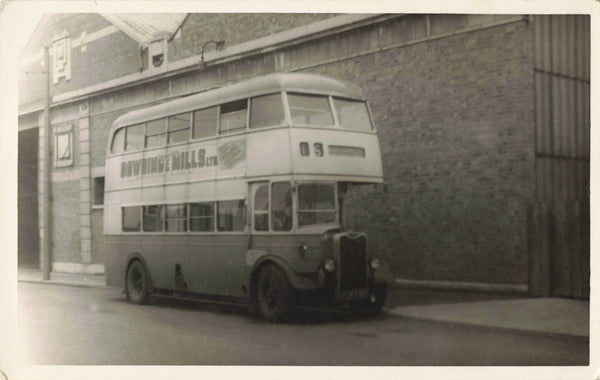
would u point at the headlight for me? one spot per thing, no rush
(329, 265)
(375, 263)
(302, 249)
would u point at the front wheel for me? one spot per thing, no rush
(274, 295)
(136, 285)
(377, 298)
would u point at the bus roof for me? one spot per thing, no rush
(306, 83)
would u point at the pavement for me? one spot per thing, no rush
(548, 315)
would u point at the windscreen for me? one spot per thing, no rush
(310, 109)
(316, 204)
(352, 114)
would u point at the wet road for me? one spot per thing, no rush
(71, 325)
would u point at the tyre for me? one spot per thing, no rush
(274, 295)
(136, 284)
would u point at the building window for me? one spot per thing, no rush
(157, 53)
(63, 146)
(98, 191)
(61, 59)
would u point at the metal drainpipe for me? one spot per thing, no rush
(46, 260)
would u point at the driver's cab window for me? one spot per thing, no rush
(261, 208)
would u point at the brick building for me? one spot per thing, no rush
(483, 123)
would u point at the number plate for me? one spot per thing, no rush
(354, 294)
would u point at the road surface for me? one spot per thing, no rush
(97, 326)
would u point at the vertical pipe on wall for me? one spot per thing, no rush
(46, 262)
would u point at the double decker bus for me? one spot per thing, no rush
(236, 194)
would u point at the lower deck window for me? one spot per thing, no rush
(176, 218)
(131, 219)
(193, 217)
(202, 216)
(231, 215)
(152, 219)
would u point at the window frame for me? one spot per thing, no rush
(246, 118)
(185, 218)
(213, 217)
(139, 229)
(244, 217)
(164, 132)
(337, 116)
(188, 128)
(59, 132)
(336, 219)
(262, 212)
(161, 216)
(216, 126)
(251, 111)
(307, 94)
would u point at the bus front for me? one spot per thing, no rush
(333, 147)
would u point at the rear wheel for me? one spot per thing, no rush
(274, 295)
(137, 283)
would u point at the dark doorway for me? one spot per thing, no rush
(28, 233)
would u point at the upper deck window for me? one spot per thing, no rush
(353, 114)
(179, 128)
(118, 143)
(205, 123)
(233, 116)
(266, 111)
(134, 139)
(156, 133)
(310, 109)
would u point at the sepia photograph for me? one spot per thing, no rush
(378, 191)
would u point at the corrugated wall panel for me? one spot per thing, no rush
(561, 180)
(585, 124)
(560, 242)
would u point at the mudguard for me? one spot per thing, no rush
(296, 280)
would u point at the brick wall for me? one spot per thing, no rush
(455, 121)
(65, 222)
(234, 28)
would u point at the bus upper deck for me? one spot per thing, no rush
(233, 120)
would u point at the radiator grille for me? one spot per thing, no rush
(353, 262)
